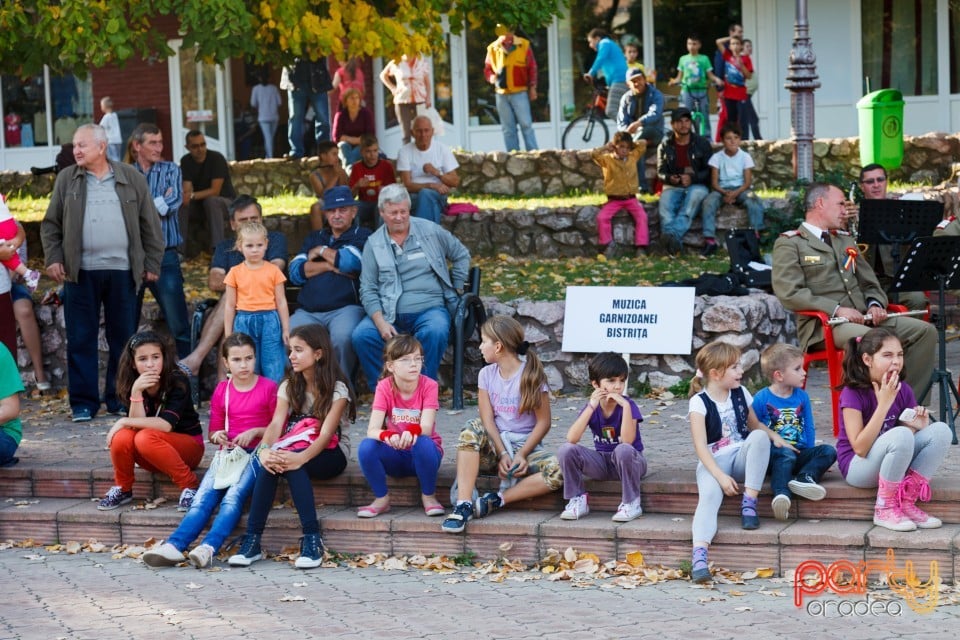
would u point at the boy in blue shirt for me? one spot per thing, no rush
(785, 407)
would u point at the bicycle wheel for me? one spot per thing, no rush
(585, 132)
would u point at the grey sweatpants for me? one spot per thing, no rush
(900, 449)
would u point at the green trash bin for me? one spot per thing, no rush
(881, 128)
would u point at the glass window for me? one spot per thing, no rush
(900, 45)
(482, 97)
(441, 92)
(25, 109)
(954, 47)
(24, 112)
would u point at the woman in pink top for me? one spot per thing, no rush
(410, 86)
(401, 439)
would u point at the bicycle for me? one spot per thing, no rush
(589, 130)
(700, 125)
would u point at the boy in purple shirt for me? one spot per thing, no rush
(614, 420)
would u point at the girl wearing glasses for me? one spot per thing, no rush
(401, 439)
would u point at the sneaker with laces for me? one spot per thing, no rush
(249, 553)
(162, 555)
(576, 508)
(806, 487)
(628, 511)
(202, 556)
(186, 499)
(487, 504)
(31, 279)
(311, 552)
(457, 521)
(114, 498)
(781, 506)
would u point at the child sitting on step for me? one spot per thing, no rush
(886, 438)
(618, 161)
(785, 407)
(614, 421)
(514, 403)
(732, 445)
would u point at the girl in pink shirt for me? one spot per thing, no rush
(401, 440)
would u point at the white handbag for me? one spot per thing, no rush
(228, 463)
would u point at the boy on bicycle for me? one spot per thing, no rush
(693, 71)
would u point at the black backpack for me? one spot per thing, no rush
(744, 248)
(712, 284)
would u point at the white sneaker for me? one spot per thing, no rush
(576, 508)
(628, 511)
(162, 555)
(781, 506)
(202, 556)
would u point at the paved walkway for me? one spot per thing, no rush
(90, 596)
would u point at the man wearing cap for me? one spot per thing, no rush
(405, 285)
(511, 68)
(328, 269)
(641, 115)
(683, 166)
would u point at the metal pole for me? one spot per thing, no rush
(802, 82)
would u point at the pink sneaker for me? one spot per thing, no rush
(887, 512)
(915, 487)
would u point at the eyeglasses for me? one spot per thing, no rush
(410, 360)
(874, 180)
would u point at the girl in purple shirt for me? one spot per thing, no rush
(886, 439)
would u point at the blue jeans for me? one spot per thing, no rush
(168, 291)
(329, 463)
(711, 205)
(678, 207)
(297, 103)
(749, 120)
(514, 110)
(378, 460)
(230, 501)
(350, 153)
(428, 204)
(697, 100)
(786, 464)
(264, 327)
(652, 136)
(8, 447)
(115, 291)
(431, 327)
(340, 324)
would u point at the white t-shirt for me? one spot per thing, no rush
(111, 124)
(730, 168)
(505, 398)
(730, 435)
(413, 160)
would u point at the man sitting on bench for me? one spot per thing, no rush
(243, 209)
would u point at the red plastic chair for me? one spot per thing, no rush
(833, 356)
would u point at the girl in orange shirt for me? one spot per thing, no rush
(255, 302)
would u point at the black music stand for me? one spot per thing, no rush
(897, 222)
(934, 263)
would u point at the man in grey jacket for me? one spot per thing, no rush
(405, 285)
(102, 239)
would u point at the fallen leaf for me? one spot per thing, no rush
(290, 598)
(742, 609)
(635, 559)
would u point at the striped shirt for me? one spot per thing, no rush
(166, 187)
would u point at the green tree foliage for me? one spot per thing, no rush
(77, 35)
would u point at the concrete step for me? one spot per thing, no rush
(58, 504)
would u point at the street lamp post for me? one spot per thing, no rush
(801, 83)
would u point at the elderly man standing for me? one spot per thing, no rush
(683, 165)
(428, 171)
(641, 115)
(812, 271)
(101, 237)
(405, 286)
(165, 182)
(328, 269)
(207, 188)
(511, 68)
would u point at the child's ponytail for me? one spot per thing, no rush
(716, 356)
(856, 374)
(509, 333)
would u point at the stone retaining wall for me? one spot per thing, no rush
(927, 158)
(750, 322)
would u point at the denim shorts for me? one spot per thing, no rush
(19, 292)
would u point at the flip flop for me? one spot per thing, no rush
(370, 511)
(435, 510)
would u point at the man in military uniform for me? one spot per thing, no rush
(819, 267)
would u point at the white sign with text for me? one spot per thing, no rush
(655, 320)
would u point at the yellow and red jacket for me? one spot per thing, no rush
(514, 70)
